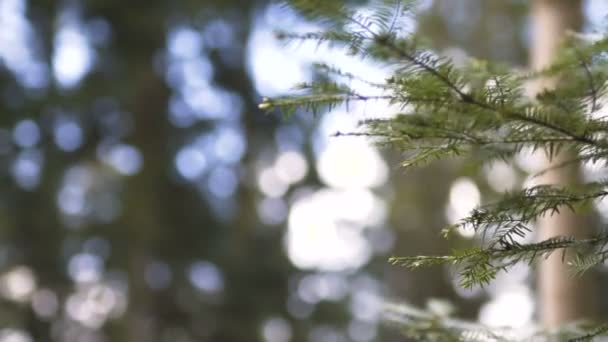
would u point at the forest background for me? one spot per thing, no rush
(146, 197)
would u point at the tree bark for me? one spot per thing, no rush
(563, 297)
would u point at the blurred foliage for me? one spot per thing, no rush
(494, 30)
(163, 226)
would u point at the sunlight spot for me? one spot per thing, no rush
(314, 288)
(85, 268)
(361, 206)
(194, 73)
(125, 159)
(602, 208)
(594, 171)
(185, 42)
(351, 163)
(197, 72)
(19, 44)
(291, 167)
(180, 113)
(223, 182)
(518, 274)
(71, 199)
(212, 103)
(67, 134)
(275, 68)
(424, 5)
(336, 121)
(501, 176)
(464, 197)
(26, 133)
(366, 305)
(318, 238)
(229, 144)
(595, 11)
(271, 184)
(273, 71)
(531, 161)
(26, 168)
(14, 335)
(190, 162)
(362, 331)
(18, 284)
(206, 277)
(72, 196)
(73, 56)
(276, 329)
(272, 211)
(93, 305)
(512, 308)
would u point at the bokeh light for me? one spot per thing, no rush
(146, 197)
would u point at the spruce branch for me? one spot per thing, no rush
(480, 109)
(507, 219)
(424, 325)
(602, 330)
(480, 265)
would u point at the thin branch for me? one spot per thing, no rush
(594, 91)
(468, 99)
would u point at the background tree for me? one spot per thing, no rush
(563, 298)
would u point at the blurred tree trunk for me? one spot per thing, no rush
(143, 222)
(144, 209)
(417, 199)
(563, 297)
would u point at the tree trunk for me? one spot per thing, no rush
(563, 297)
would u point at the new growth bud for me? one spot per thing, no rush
(266, 103)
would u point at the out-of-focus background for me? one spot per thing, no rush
(145, 197)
